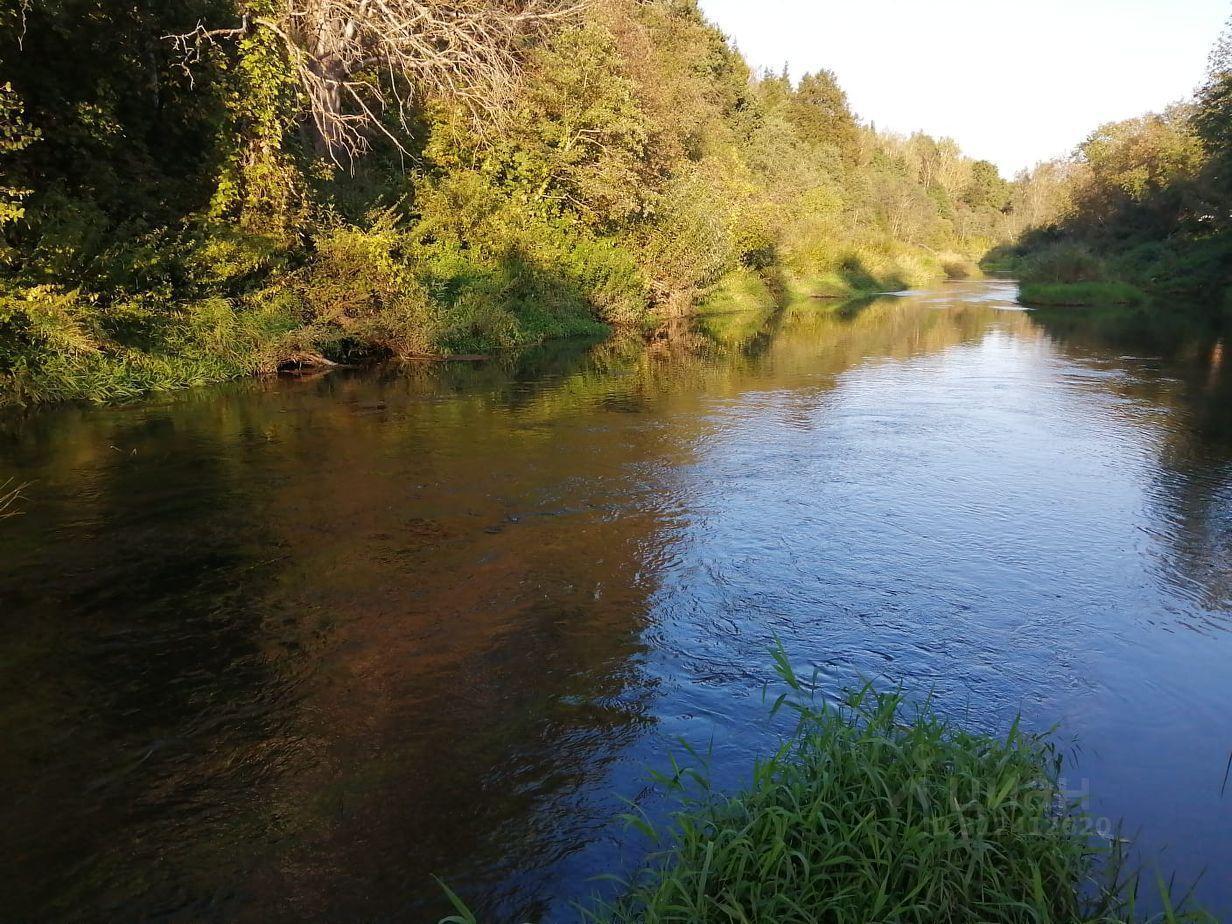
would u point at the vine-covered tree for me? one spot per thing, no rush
(357, 62)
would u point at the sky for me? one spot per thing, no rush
(1013, 81)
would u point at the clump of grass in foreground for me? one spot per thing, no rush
(879, 811)
(1079, 294)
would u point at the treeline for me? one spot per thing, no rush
(1142, 205)
(199, 189)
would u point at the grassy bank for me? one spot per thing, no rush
(877, 809)
(1078, 294)
(1186, 272)
(1066, 275)
(849, 273)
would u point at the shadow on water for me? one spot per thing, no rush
(1178, 364)
(292, 648)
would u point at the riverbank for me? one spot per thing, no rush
(1080, 294)
(360, 299)
(856, 274)
(189, 227)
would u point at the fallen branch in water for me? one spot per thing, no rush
(9, 497)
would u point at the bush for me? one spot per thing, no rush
(691, 244)
(1063, 263)
(956, 266)
(362, 297)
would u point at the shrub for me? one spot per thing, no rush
(691, 244)
(361, 296)
(956, 266)
(1064, 263)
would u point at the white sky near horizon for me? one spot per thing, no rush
(1013, 82)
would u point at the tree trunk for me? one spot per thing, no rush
(326, 48)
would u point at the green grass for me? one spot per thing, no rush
(1076, 294)
(876, 809)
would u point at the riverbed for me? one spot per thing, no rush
(290, 648)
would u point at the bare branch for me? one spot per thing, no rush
(8, 497)
(358, 60)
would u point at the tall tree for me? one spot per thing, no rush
(986, 189)
(822, 115)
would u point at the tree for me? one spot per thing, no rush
(822, 115)
(1213, 123)
(986, 189)
(1138, 173)
(357, 61)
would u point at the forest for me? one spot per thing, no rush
(201, 189)
(197, 190)
(1142, 208)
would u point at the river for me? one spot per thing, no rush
(288, 649)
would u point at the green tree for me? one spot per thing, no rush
(822, 115)
(1213, 123)
(986, 189)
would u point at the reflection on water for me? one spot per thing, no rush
(292, 648)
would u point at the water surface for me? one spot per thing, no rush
(287, 649)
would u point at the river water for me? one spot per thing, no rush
(288, 649)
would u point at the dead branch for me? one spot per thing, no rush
(9, 497)
(358, 61)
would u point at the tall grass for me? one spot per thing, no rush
(1079, 294)
(878, 809)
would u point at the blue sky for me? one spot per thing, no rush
(1013, 82)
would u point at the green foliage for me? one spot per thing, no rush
(1213, 124)
(986, 189)
(821, 114)
(361, 296)
(637, 164)
(877, 810)
(1063, 262)
(1150, 198)
(16, 134)
(260, 184)
(57, 345)
(1080, 294)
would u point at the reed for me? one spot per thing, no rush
(877, 809)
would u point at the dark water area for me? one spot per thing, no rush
(288, 649)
